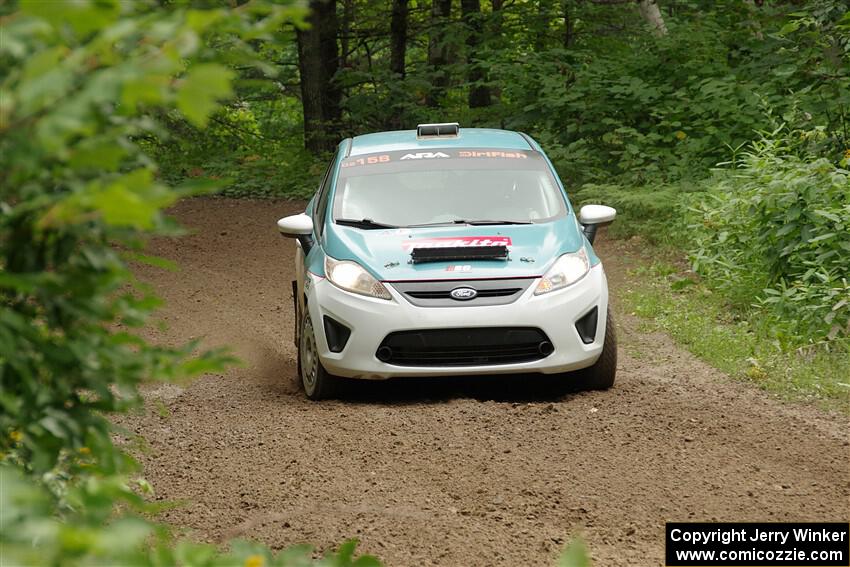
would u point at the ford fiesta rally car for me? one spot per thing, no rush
(447, 251)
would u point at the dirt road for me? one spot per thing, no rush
(450, 471)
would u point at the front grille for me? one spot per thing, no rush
(446, 294)
(464, 347)
(437, 293)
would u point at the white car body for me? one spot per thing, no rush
(371, 319)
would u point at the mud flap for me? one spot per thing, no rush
(296, 318)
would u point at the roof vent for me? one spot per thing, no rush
(445, 130)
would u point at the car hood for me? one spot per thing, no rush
(532, 249)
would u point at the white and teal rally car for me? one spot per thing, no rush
(447, 251)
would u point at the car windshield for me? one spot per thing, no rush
(413, 188)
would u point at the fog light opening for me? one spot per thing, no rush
(384, 353)
(545, 348)
(336, 334)
(586, 326)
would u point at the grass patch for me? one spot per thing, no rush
(734, 343)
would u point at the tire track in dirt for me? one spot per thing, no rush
(486, 471)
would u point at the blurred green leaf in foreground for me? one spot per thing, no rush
(83, 84)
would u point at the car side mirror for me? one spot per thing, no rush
(592, 217)
(300, 227)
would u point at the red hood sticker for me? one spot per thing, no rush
(453, 242)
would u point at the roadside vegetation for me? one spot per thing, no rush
(702, 321)
(762, 290)
(111, 111)
(83, 83)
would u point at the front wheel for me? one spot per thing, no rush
(601, 375)
(318, 384)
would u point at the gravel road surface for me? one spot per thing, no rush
(459, 472)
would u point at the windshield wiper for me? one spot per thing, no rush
(469, 222)
(483, 222)
(366, 224)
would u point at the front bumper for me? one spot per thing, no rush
(370, 320)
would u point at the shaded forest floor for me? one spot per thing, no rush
(485, 471)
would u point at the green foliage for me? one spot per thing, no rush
(775, 230)
(648, 210)
(740, 344)
(199, 90)
(78, 196)
(615, 106)
(575, 555)
(768, 235)
(643, 109)
(88, 535)
(240, 145)
(254, 145)
(83, 87)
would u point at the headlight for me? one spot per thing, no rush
(567, 270)
(351, 276)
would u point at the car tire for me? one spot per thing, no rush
(601, 375)
(317, 383)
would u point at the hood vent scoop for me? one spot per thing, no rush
(447, 254)
(443, 130)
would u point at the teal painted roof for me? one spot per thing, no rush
(468, 138)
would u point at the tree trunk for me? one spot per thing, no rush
(398, 52)
(497, 17)
(541, 27)
(569, 24)
(438, 51)
(650, 12)
(495, 40)
(479, 95)
(309, 67)
(398, 37)
(328, 33)
(345, 40)
(318, 62)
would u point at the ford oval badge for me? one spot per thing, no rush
(463, 293)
